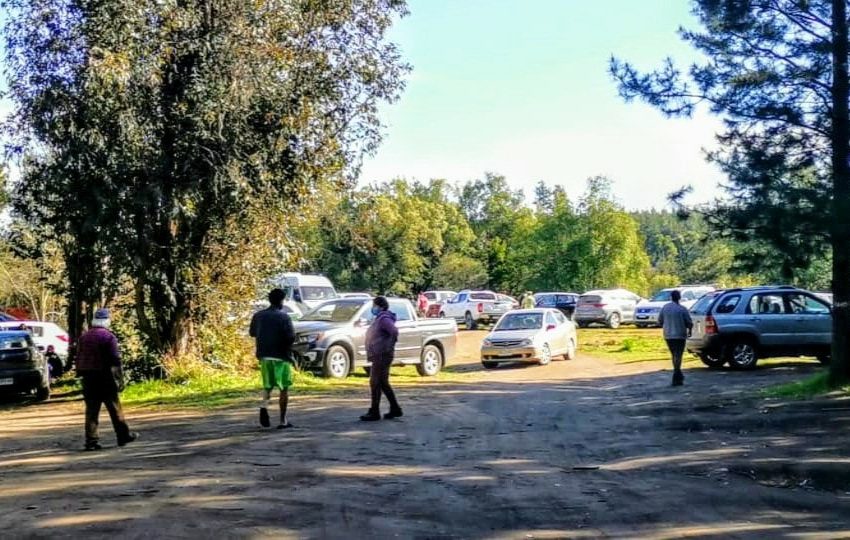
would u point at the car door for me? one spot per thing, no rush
(812, 316)
(767, 313)
(564, 328)
(456, 306)
(555, 334)
(409, 341)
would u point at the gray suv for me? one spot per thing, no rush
(739, 326)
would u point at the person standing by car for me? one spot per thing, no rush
(677, 324)
(274, 335)
(380, 352)
(99, 365)
(422, 305)
(528, 300)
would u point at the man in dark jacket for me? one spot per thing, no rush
(380, 352)
(274, 334)
(99, 365)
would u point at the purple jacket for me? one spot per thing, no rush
(97, 350)
(381, 337)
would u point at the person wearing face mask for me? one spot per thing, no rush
(380, 352)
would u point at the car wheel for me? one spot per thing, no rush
(490, 365)
(546, 355)
(742, 354)
(470, 322)
(712, 360)
(42, 393)
(431, 361)
(337, 363)
(571, 351)
(614, 321)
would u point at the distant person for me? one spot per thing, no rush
(528, 300)
(422, 304)
(677, 324)
(99, 365)
(380, 351)
(274, 335)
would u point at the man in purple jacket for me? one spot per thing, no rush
(380, 352)
(99, 365)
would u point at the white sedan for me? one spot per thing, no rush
(530, 335)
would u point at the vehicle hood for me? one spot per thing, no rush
(311, 327)
(513, 335)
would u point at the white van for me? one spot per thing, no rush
(305, 291)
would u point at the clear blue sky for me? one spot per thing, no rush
(520, 88)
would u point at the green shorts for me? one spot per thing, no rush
(275, 373)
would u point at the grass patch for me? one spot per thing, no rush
(816, 385)
(223, 389)
(626, 345)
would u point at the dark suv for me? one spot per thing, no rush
(22, 367)
(739, 326)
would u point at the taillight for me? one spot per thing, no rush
(480, 308)
(599, 305)
(62, 337)
(710, 325)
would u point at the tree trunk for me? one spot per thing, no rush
(840, 367)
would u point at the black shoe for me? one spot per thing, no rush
(264, 417)
(678, 379)
(393, 414)
(285, 426)
(371, 417)
(93, 447)
(132, 436)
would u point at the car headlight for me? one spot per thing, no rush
(526, 343)
(309, 338)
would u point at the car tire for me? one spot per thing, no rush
(546, 357)
(470, 322)
(42, 393)
(614, 321)
(712, 361)
(337, 363)
(742, 354)
(430, 361)
(571, 351)
(490, 365)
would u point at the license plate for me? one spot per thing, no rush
(643, 316)
(7, 382)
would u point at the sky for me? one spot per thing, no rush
(521, 88)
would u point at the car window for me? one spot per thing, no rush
(590, 299)
(317, 294)
(14, 342)
(766, 304)
(559, 317)
(335, 311)
(805, 305)
(550, 319)
(459, 298)
(727, 304)
(401, 310)
(688, 295)
(483, 296)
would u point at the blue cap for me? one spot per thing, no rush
(102, 313)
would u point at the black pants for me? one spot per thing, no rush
(379, 381)
(99, 389)
(677, 350)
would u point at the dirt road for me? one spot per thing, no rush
(579, 449)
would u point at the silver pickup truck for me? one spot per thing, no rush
(331, 338)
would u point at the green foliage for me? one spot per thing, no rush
(816, 385)
(457, 272)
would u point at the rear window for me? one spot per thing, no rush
(431, 296)
(704, 304)
(482, 296)
(590, 299)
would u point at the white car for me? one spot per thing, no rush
(474, 307)
(646, 313)
(530, 335)
(44, 335)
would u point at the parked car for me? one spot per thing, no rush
(475, 307)
(50, 339)
(529, 335)
(740, 326)
(648, 310)
(304, 292)
(565, 302)
(611, 307)
(355, 295)
(508, 300)
(437, 298)
(22, 367)
(331, 338)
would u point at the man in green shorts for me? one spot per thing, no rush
(272, 329)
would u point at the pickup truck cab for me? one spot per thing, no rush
(332, 338)
(474, 307)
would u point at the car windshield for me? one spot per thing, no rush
(663, 296)
(13, 342)
(339, 311)
(520, 321)
(704, 304)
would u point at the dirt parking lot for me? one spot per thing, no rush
(581, 449)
